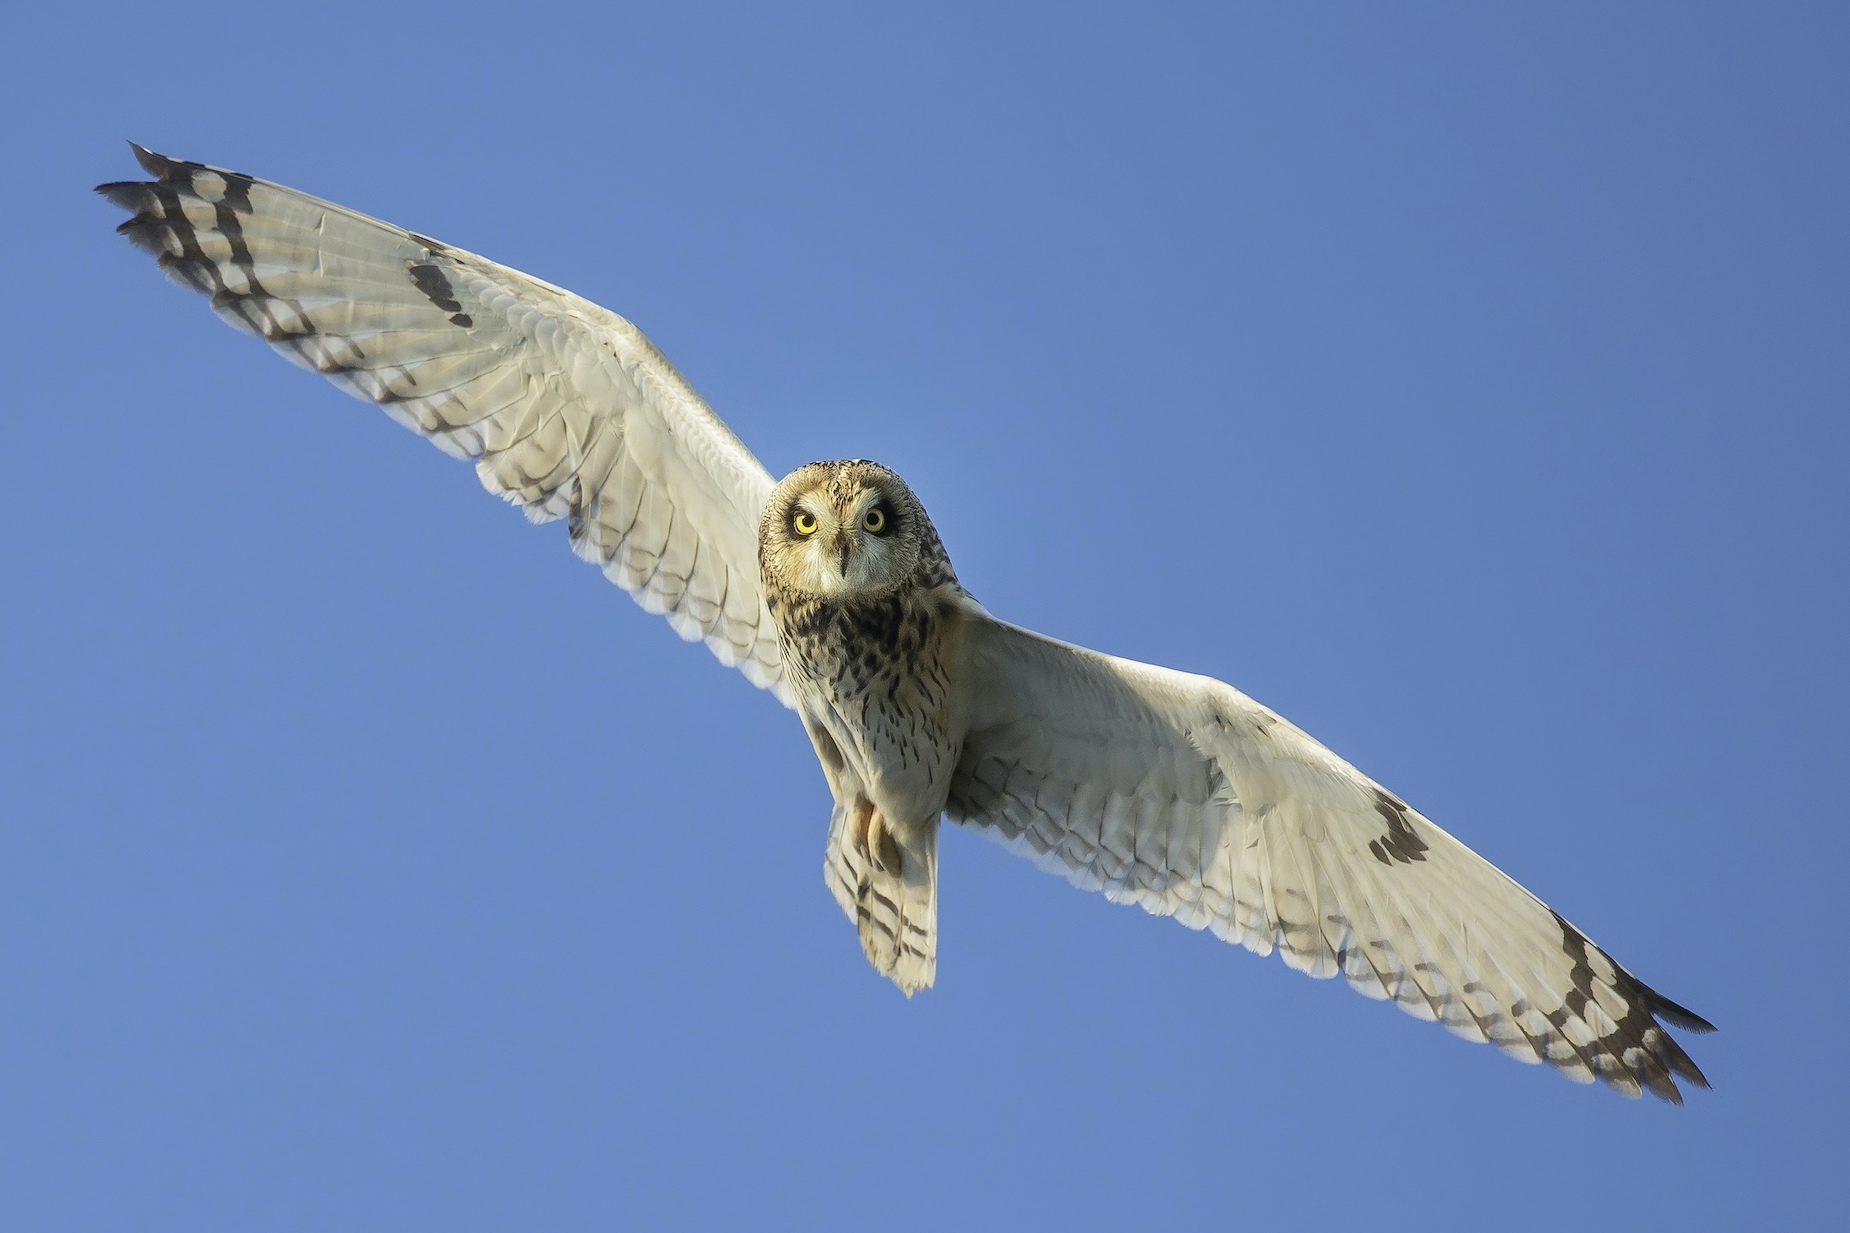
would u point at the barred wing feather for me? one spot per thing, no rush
(567, 409)
(1182, 795)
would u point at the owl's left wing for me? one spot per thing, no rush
(1182, 795)
(567, 410)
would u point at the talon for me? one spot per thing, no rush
(882, 847)
(859, 816)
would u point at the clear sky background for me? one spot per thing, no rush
(1473, 387)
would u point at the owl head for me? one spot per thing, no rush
(841, 530)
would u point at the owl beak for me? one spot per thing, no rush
(843, 546)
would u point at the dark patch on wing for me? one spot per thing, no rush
(435, 285)
(1401, 843)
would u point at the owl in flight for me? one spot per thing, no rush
(831, 589)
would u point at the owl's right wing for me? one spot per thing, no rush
(1182, 795)
(566, 408)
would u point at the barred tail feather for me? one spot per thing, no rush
(886, 881)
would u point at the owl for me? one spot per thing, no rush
(832, 589)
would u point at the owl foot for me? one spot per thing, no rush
(882, 848)
(871, 835)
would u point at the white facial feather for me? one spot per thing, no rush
(844, 556)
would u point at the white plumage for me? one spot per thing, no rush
(1171, 791)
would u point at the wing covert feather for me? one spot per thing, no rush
(567, 409)
(1182, 795)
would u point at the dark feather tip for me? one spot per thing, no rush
(1675, 1015)
(154, 164)
(129, 194)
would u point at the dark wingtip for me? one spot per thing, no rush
(1681, 1064)
(1675, 1015)
(156, 165)
(152, 163)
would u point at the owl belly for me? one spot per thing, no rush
(899, 759)
(875, 689)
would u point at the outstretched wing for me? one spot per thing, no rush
(1182, 795)
(566, 408)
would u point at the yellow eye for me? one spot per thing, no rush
(805, 524)
(875, 520)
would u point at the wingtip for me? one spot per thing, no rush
(1677, 1016)
(151, 163)
(160, 166)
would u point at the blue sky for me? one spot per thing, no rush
(1470, 386)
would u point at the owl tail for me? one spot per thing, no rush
(886, 880)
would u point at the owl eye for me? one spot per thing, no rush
(804, 524)
(875, 521)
